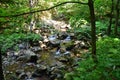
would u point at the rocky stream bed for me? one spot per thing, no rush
(48, 59)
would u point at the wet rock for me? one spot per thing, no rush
(29, 74)
(72, 35)
(36, 49)
(62, 59)
(56, 74)
(68, 38)
(52, 37)
(62, 49)
(46, 39)
(57, 53)
(61, 53)
(53, 41)
(84, 45)
(12, 55)
(24, 45)
(5, 63)
(23, 76)
(67, 53)
(31, 79)
(54, 44)
(21, 46)
(39, 61)
(41, 78)
(62, 35)
(40, 71)
(28, 56)
(70, 47)
(33, 59)
(43, 46)
(23, 58)
(18, 72)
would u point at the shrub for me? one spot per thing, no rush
(10, 41)
(108, 66)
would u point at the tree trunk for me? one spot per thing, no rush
(110, 22)
(32, 22)
(117, 18)
(1, 70)
(93, 29)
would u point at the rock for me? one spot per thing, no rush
(34, 43)
(63, 59)
(10, 53)
(67, 53)
(31, 79)
(33, 59)
(62, 49)
(24, 45)
(18, 72)
(23, 58)
(45, 39)
(62, 35)
(29, 74)
(72, 35)
(83, 45)
(41, 78)
(5, 63)
(40, 71)
(28, 56)
(52, 37)
(57, 52)
(56, 74)
(68, 38)
(23, 76)
(36, 49)
(54, 44)
(43, 46)
(70, 47)
(21, 46)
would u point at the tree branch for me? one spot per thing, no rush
(16, 15)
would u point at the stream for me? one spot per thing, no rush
(48, 59)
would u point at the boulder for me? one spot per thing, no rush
(28, 56)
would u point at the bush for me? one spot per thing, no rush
(10, 41)
(108, 66)
(101, 26)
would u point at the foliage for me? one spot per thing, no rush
(10, 41)
(74, 11)
(108, 66)
(101, 26)
(102, 7)
(80, 27)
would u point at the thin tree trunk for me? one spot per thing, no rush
(117, 18)
(1, 70)
(110, 22)
(31, 3)
(93, 29)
